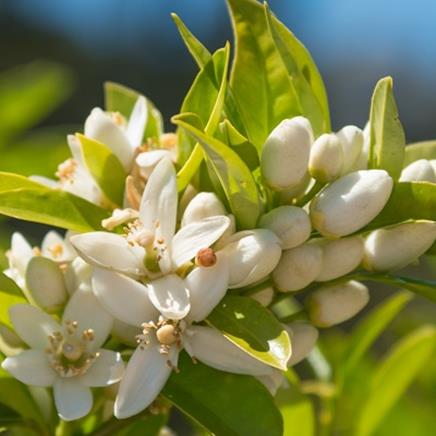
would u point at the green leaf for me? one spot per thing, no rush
(309, 105)
(420, 150)
(235, 177)
(408, 201)
(262, 83)
(198, 51)
(10, 294)
(234, 139)
(391, 379)
(119, 98)
(29, 93)
(387, 143)
(104, 167)
(23, 199)
(206, 100)
(370, 328)
(223, 403)
(254, 329)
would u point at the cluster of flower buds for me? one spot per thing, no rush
(165, 261)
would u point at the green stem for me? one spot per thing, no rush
(112, 426)
(64, 428)
(297, 316)
(313, 191)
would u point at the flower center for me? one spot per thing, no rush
(118, 119)
(67, 351)
(66, 170)
(56, 250)
(205, 257)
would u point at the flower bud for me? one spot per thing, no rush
(285, 154)
(351, 139)
(252, 255)
(203, 205)
(264, 296)
(287, 196)
(326, 158)
(351, 202)
(303, 339)
(331, 305)
(45, 282)
(291, 224)
(339, 256)
(395, 247)
(78, 273)
(421, 170)
(298, 267)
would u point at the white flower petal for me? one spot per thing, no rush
(45, 181)
(73, 400)
(111, 251)
(101, 127)
(106, 370)
(158, 208)
(170, 296)
(207, 286)
(126, 333)
(148, 160)
(144, 378)
(57, 248)
(31, 367)
(125, 298)
(212, 348)
(193, 237)
(32, 325)
(137, 123)
(20, 254)
(85, 308)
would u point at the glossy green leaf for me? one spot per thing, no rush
(104, 167)
(390, 380)
(370, 328)
(10, 294)
(235, 177)
(420, 150)
(29, 93)
(408, 201)
(286, 44)
(387, 143)
(119, 98)
(253, 328)
(23, 199)
(223, 403)
(228, 134)
(198, 51)
(262, 83)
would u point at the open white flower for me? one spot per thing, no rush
(121, 137)
(151, 251)
(162, 337)
(66, 356)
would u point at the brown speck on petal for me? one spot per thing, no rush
(205, 257)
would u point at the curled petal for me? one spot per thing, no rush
(137, 123)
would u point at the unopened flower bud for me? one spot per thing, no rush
(46, 284)
(252, 255)
(264, 296)
(395, 247)
(303, 339)
(352, 141)
(291, 224)
(297, 191)
(351, 202)
(203, 205)
(331, 305)
(326, 158)
(421, 170)
(285, 154)
(339, 256)
(298, 267)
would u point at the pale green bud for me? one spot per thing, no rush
(285, 154)
(298, 267)
(252, 255)
(303, 339)
(331, 305)
(326, 158)
(46, 284)
(351, 202)
(264, 296)
(352, 141)
(203, 205)
(290, 223)
(395, 247)
(421, 170)
(339, 256)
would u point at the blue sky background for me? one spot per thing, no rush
(354, 42)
